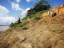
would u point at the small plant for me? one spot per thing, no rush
(24, 28)
(54, 30)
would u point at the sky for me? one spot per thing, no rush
(10, 10)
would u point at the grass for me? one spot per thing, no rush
(24, 20)
(15, 25)
(34, 15)
(19, 24)
(37, 18)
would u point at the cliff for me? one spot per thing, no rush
(48, 32)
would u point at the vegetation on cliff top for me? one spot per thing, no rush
(35, 12)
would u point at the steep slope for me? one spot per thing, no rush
(59, 18)
(48, 32)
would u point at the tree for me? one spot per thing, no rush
(40, 6)
(19, 20)
(31, 11)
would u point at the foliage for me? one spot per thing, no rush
(25, 18)
(19, 24)
(35, 16)
(40, 6)
(35, 12)
(19, 20)
(15, 25)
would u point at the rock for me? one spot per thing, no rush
(62, 6)
(8, 41)
(47, 44)
(20, 38)
(26, 45)
(3, 44)
(15, 46)
(60, 44)
(51, 13)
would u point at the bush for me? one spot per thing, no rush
(24, 28)
(15, 25)
(23, 23)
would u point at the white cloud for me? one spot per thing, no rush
(31, 0)
(3, 10)
(15, 6)
(24, 13)
(18, 1)
(4, 17)
(7, 20)
(28, 0)
(34, 1)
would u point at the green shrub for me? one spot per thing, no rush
(19, 24)
(24, 28)
(15, 25)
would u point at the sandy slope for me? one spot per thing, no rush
(46, 33)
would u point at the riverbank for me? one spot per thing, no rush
(48, 32)
(4, 28)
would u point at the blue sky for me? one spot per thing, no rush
(10, 10)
